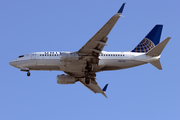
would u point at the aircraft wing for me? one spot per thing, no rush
(96, 44)
(93, 86)
(93, 48)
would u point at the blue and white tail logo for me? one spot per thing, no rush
(150, 41)
(144, 46)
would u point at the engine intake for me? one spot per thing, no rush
(66, 79)
(69, 56)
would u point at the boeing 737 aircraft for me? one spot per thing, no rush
(83, 64)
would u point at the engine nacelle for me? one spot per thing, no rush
(69, 56)
(66, 79)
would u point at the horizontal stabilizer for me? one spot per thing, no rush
(156, 64)
(156, 51)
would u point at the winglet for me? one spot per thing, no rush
(121, 9)
(105, 87)
(104, 90)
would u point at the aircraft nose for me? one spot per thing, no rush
(12, 63)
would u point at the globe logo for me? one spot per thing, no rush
(144, 46)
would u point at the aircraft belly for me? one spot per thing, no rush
(44, 68)
(115, 64)
(74, 66)
(45, 64)
(55, 64)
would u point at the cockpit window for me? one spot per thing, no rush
(21, 56)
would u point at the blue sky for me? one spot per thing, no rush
(140, 93)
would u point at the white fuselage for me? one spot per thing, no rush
(107, 61)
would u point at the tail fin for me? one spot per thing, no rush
(150, 41)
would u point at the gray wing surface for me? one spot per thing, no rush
(93, 48)
(96, 44)
(93, 86)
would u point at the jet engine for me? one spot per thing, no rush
(69, 56)
(66, 79)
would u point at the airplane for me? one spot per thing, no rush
(83, 64)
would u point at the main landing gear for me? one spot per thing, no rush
(88, 66)
(89, 69)
(87, 80)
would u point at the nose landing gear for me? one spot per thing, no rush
(26, 70)
(28, 74)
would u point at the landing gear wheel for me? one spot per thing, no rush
(28, 74)
(87, 80)
(88, 67)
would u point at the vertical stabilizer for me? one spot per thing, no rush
(150, 41)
